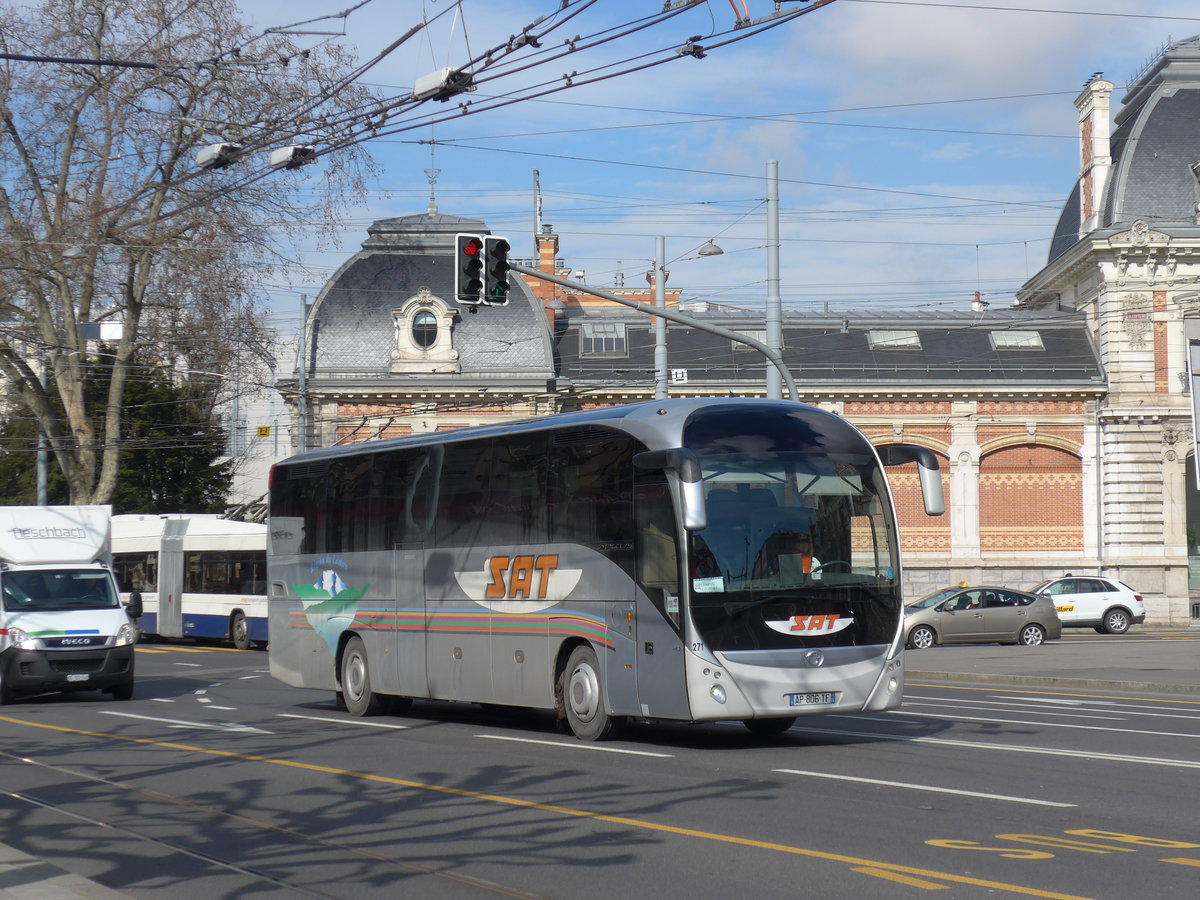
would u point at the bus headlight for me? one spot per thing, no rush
(21, 640)
(124, 636)
(717, 693)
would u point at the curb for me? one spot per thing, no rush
(1055, 681)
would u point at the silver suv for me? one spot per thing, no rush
(1105, 604)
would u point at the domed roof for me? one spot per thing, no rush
(1154, 145)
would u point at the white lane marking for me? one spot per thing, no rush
(1172, 712)
(1055, 725)
(925, 787)
(1032, 712)
(574, 746)
(223, 707)
(162, 699)
(1011, 748)
(227, 726)
(249, 677)
(343, 721)
(193, 665)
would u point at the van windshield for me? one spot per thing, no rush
(58, 589)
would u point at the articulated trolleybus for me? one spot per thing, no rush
(692, 560)
(200, 576)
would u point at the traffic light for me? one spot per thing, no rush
(495, 271)
(468, 268)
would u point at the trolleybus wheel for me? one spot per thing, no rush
(239, 631)
(769, 727)
(583, 696)
(356, 681)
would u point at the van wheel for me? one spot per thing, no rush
(123, 691)
(583, 696)
(356, 681)
(1115, 621)
(239, 631)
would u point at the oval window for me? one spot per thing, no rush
(424, 330)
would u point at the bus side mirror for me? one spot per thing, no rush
(134, 607)
(928, 471)
(686, 467)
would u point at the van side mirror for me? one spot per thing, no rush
(134, 607)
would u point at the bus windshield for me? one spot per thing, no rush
(799, 550)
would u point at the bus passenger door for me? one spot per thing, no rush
(171, 577)
(658, 641)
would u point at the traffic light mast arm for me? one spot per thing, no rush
(673, 316)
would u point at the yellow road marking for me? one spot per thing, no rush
(997, 689)
(1184, 861)
(903, 879)
(517, 802)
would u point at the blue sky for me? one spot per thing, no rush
(924, 148)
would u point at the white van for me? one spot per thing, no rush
(62, 626)
(1105, 604)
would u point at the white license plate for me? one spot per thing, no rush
(822, 698)
(78, 677)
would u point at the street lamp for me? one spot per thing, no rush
(710, 249)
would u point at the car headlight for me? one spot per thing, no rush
(21, 640)
(124, 636)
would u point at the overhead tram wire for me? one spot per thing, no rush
(371, 132)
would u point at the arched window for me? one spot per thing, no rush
(425, 329)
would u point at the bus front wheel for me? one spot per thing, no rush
(583, 697)
(360, 700)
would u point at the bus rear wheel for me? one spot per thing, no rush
(360, 700)
(583, 697)
(239, 631)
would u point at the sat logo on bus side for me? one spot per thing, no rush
(519, 584)
(818, 624)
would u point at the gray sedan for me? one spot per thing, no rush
(980, 615)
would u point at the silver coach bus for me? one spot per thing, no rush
(695, 560)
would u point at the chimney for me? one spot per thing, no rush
(1095, 159)
(547, 248)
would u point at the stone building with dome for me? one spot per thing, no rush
(1063, 422)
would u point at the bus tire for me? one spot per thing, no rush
(583, 697)
(769, 727)
(239, 631)
(356, 681)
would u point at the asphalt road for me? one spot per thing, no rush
(1010, 771)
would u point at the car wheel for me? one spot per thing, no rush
(921, 638)
(1116, 621)
(1033, 635)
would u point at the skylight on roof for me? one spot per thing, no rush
(894, 340)
(1017, 340)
